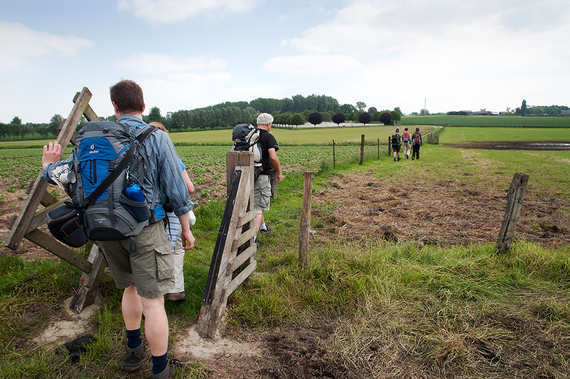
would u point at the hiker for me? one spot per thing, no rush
(406, 142)
(269, 160)
(396, 143)
(177, 293)
(143, 264)
(416, 143)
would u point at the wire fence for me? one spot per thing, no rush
(343, 214)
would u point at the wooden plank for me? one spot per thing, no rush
(242, 276)
(248, 217)
(245, 236)
(89, 282)
(40, 185)
(241, 258)
(55, 247)
(305, 219)
(234, 159)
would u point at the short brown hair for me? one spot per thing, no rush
(127, 96)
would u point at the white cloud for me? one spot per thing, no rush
(177, 10)
(383, 26)
(311, 64)
(154, 63)
(18, 43)
(182, 90)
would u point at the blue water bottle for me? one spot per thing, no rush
(134, 193)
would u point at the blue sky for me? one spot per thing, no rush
(186, 54)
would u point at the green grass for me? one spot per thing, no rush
(501, 121)
(399, 310)
(478, 134)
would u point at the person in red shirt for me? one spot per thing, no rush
(406, 142)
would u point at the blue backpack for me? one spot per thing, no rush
(107, 159)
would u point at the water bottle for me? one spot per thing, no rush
(134, 193)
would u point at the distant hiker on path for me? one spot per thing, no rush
(416, 143)
(407, 142)
(396, 143)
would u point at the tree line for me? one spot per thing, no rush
(290, 111)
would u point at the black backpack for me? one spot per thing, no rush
(396, 139)
(246, 138)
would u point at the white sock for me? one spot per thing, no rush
(263, 226)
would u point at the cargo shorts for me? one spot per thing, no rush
(262, 193)
(150, 267)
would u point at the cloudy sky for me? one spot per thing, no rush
(186, 54)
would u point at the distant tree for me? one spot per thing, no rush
(338, 118)
(360, 105)
(315, 118)
(54, 124)
(424, 112)
(16, 121)
(397, 109)
(372, 110)
(348, 108)
(396, 116)
(306, 113)
(297, 119)
(385, 118)
(364, 118)
(154, 115)
(523, 108)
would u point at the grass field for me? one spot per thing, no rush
(397, 311)
(500, 121)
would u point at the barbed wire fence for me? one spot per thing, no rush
(392, 221)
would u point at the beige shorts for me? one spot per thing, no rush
(150, 267)
(262, 193)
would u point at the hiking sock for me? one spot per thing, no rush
(263, 226)
(159, 363)
(134, 338)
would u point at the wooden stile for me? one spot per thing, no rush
(26, 224)
(235, 245)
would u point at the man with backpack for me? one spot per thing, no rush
(269, 160)
(406, 142)
(396, 143)
(142, 265)
(416, 143)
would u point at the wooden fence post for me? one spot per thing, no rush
(389, 147)
(305, 219)
(334, 156)
(362, 149)
(512, 213)
(378, 148)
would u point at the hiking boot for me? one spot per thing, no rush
(266, 230)
(134, 357)
(164, 374)
(394, 159)
(178, 296)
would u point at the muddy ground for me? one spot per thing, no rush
(354, 209)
